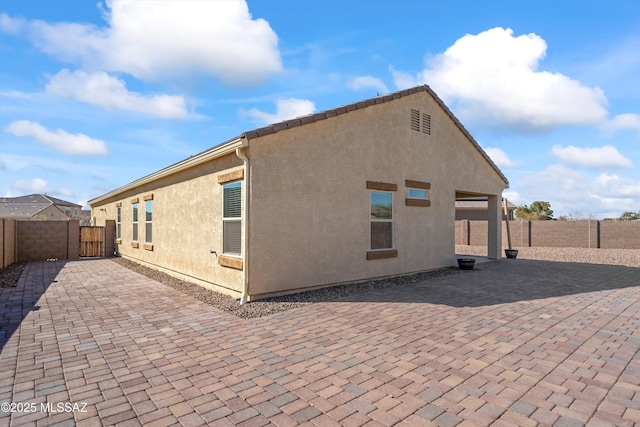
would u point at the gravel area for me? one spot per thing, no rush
(10, 274)
(272, 305)
(626, 257)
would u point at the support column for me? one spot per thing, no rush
(494, 235)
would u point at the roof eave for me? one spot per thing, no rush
(467, 134)
(208, 155)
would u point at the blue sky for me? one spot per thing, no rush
(96, 95)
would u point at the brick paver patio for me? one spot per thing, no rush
(514, 342)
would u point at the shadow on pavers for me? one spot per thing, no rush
(508, 281)
(16, 303)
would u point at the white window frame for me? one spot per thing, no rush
(135, 211)
(148, 237)
(371, 220)
(118, 222)
(226, 220)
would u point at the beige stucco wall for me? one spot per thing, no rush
(187, 225)
(309, 222)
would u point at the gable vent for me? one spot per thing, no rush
(426, 124)
(415, 120)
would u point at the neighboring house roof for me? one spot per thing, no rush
(29, 206)
(60, 202)
(20, 210)
(241, 141)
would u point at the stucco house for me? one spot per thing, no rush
(38, 207)
(362, 191)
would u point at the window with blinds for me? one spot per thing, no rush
(119, 222)
(135, 222)
(232, 218)
(148, 208)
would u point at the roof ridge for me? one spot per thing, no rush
(322, 115)
(310, 118)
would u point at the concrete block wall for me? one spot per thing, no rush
(568, 234)
(41, 240)
(559, 234)
(7, 242)
(520, 233)
(620, 234)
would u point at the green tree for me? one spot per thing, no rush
(538, 211)
(630, 215)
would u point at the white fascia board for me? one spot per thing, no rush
(213, 153)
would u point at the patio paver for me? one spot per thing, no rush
(515, 342)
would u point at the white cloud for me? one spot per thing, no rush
(363, 82)
(16, 94)
(156, 39)
(11, 25)
(103, 90)
(494, 77)
(595, 158)
(59, 140)
(499, 157)
(286, 109)
(36, 185)
(621, 122)
(615, 186)
(40, 186)
(512, 196)
(13, 162)
(571, 191)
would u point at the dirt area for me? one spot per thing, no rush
(10, 274)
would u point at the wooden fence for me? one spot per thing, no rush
(92, 241)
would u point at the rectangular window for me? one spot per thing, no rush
(148, 209)
(381, 220)
(417, 194)
(135, 222)
(119, 222)
(232, 218)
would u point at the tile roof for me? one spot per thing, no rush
(28, 206)
(20, 210)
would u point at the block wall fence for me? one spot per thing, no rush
(42, 240)
(562, 234)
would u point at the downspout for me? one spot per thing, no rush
(245, 231)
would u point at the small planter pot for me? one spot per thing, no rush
(466, 263)
(511, 253)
